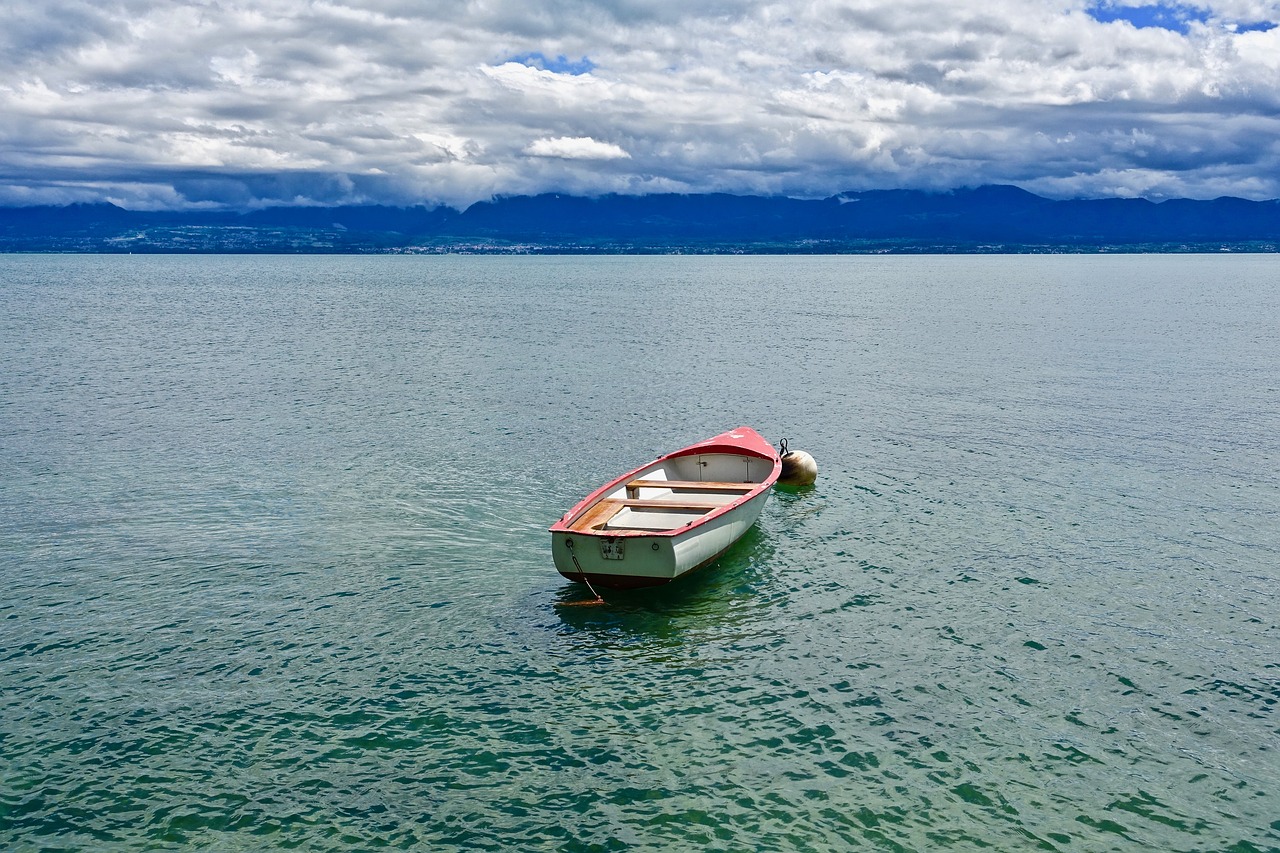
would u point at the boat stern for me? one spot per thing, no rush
(614, 562)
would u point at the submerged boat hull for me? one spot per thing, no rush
(663, 520)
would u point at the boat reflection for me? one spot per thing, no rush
(725, 596)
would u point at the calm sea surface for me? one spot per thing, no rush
(275, 567)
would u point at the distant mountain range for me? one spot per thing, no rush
(985, 219)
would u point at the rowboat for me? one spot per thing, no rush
(665, 519)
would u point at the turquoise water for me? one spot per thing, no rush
(276, 572)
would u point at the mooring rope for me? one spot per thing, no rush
(569, 544)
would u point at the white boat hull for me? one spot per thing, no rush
(666, 519)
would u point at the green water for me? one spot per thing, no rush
(276, 573)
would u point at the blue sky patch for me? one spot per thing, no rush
(1168, 16)
(560, 65)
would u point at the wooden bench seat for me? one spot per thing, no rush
(599, 515)
(681, 505)
(705, 486)
(596, 516)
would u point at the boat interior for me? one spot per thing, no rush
(673, 493)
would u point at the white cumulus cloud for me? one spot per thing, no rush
(576, 148)
(171, 103)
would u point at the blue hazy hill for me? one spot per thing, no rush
(989, 218)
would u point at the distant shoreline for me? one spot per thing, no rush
(985, 220)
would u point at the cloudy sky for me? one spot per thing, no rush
(246, 103)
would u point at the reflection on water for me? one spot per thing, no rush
(273, 540)
(712, 600)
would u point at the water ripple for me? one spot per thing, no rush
(272, 535)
